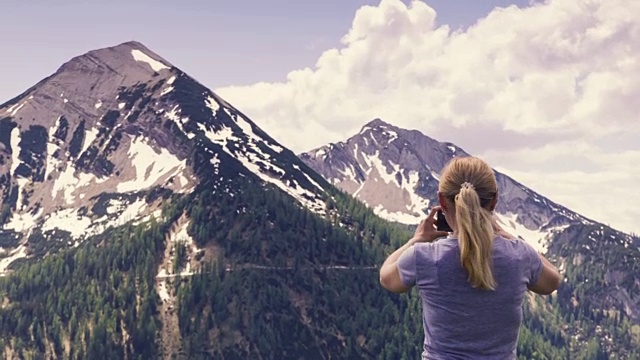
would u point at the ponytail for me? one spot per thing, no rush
(469, 187)
(475, 237)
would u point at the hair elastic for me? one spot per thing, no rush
(467, 185)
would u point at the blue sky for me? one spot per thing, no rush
(219, 42)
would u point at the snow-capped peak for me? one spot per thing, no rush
(97, 143)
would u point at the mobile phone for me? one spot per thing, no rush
(441, 222)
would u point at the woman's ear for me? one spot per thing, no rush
(494, 202)
(443, 203)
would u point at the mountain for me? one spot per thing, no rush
(395, 172)
(145, 217)
(108, 136)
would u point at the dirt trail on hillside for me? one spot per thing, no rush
(264, 267)
(170, 338)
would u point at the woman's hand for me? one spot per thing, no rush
(426, 231)
(389, 274)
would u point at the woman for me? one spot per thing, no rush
(472, 283)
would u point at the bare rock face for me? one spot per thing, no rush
(105, 138)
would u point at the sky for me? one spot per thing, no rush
(545, 91)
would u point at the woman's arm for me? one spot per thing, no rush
(549, 280)
(389, 274)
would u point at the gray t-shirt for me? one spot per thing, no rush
(461, 322)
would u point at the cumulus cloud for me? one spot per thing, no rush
(563, 72)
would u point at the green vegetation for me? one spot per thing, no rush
(95, 299)
(284, 284)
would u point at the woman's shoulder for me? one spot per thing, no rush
(517, 246)
(513, 241)
(436, 248)
(443, 242)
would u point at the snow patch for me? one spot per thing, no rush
(20, 252)
(118, 213)
(68, 220)
(52, 147)
(183, 235)
(121, 105)
(212, 104)
(90, 135)
(142, 57)
(418, 203)
(173, 116)
(536, 238)
(22, 182)
(98, 104)
(392, 135)
(171, 80)
(157, 214)
(215, 161)
(68, 181)
(133, 211)
(414, 209)
(398, 216)
(15, 150)
(349, 173)
(150, 165)
(124, 211)
(166, 91)
(163, 293)
(23, 222)
(15, 108)
(388, 175)
(295, 166)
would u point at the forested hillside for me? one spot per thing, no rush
(279, 282)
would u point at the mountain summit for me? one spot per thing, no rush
(107, 136)
(142, 216)
(395, 171)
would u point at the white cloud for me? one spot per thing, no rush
(578, 175)
(562, 69)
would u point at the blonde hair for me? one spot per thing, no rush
(470, 184)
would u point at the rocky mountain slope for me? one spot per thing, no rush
(395, 172)
(110, 134)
